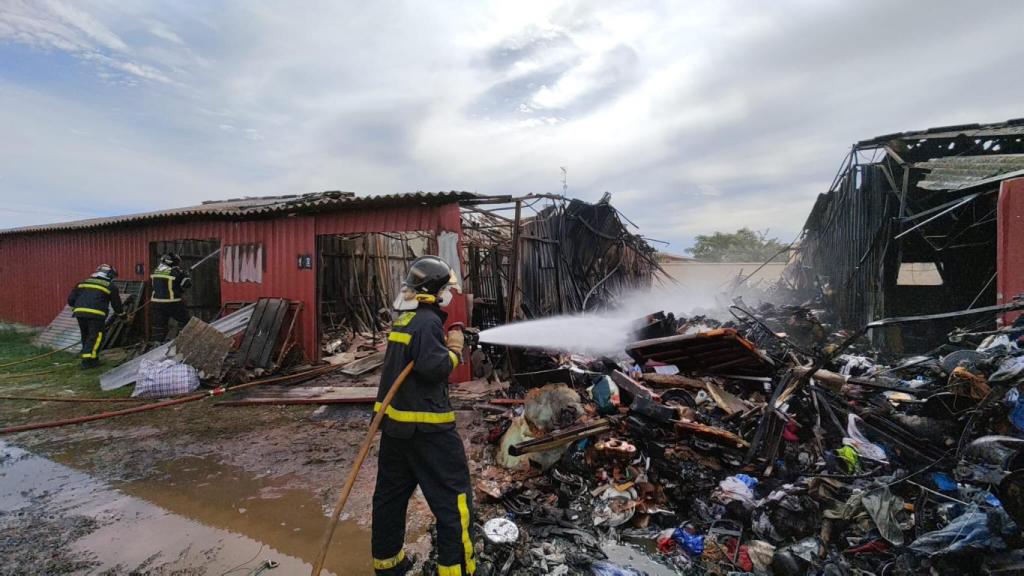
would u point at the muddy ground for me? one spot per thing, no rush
(190, 489)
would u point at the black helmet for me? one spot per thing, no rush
(105, 271)
(170, 259)
(428, 275)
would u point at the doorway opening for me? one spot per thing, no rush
(358, 277)
(203, 298)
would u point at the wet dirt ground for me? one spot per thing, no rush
(192, 489)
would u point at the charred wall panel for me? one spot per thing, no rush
(846, 245)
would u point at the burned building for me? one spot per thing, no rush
(338, 257)
(291, 247)
(917, 223)
(571, 257)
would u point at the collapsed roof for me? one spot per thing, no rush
(921, 197)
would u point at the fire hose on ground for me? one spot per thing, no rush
(128, 318)
(17, 375)
(163, 404)
(40, 356)
(71, 399)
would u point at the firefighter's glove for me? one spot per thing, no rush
(455, 341)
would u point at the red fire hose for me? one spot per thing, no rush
(71, 399)
(164, 404)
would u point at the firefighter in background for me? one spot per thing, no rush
(169, 285)
(89, 301)
(419, 445)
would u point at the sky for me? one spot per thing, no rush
(696, 116)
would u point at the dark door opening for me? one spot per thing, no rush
(358, 277)
(203, 299)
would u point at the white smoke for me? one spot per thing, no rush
(607, 332)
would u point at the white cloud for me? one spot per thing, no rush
(133, 69)
(696, 116)
(78, 20)
(53, 24)
(161, 31)
(61, 26)
(53, 174)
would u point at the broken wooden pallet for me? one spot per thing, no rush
(262, 334)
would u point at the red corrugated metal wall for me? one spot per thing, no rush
(1010, 242)
(38, 270)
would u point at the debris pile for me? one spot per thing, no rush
(248, 341)
(765, 444)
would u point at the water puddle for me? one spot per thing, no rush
(190, 513)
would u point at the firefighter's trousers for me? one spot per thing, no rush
(436, 462)
(92, 338)
(161, 313)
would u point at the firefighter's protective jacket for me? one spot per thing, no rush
(169, 284)
(92, 297)
(421, 404)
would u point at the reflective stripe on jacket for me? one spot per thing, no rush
(169, 284)
(422, 401)
(92, 297)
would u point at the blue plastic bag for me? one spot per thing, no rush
(692, 543)
(944, 482)
(969, 531)
(1017, 416)
(750, 481)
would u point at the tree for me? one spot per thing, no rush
(744, 245)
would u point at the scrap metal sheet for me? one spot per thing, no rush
(127, 373)
(63, 332)
(721, 351)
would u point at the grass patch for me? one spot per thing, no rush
(56, 374)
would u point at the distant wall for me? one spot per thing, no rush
(709, 275)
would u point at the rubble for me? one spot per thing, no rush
(766, 444)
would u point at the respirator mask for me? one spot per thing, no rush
(409, 299)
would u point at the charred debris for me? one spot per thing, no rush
(542, 256)
(769, 443)
(521, 258)
(799, 436)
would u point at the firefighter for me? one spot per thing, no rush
(90, 300)
(169, 285)
(419, 445)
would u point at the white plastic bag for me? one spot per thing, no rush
(865, 448)
(159, 379)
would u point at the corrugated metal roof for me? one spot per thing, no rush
(959, 172)
(256, 207)
(1008, 128)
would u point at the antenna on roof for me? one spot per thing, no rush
(565, 183)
